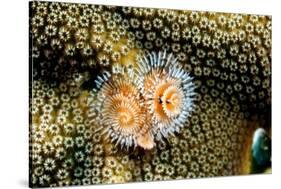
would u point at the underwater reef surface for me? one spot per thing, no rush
(226, 56)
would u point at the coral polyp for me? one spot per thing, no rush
(122, 117)
(168, 91)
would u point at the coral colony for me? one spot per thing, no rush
(126, 94)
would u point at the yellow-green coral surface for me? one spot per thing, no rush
(228, 56)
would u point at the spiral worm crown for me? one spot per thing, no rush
(122, 117)
(168, 92)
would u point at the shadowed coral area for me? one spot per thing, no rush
(228, 57)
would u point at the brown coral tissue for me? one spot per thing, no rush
(129, 94)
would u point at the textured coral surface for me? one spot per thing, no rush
(227, 55)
